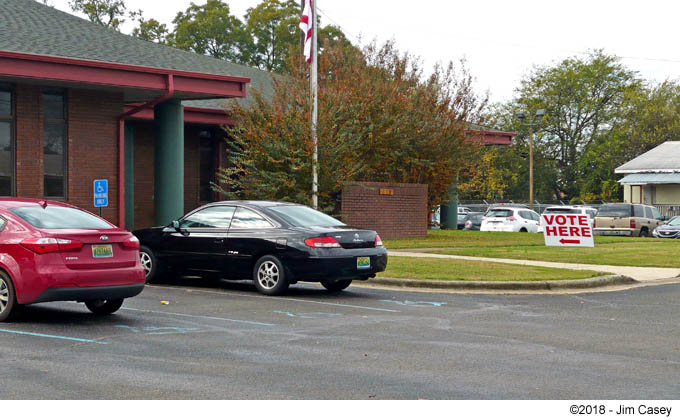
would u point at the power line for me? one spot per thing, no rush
(337, 24)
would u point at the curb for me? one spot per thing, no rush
(591, 283)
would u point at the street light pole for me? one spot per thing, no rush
(534, 122)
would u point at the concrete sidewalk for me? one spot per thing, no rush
(642, 274)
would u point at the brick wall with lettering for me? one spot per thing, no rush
(393, 210)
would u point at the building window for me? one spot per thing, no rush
(54, 145)
(6, 143)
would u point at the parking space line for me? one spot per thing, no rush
(284, 298)
(60, 337)
(262, 324)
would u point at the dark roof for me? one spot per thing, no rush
(27, 26)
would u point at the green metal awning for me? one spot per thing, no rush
(665, 178)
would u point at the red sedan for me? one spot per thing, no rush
(52, 251)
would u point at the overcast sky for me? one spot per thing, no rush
(501, 40)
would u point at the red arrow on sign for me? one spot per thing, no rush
(570, 241)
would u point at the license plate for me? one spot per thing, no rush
(102, 251)
(364, 262)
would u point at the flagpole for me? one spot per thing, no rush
(315, 105)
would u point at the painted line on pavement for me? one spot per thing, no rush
(262, 324)
(59, 337)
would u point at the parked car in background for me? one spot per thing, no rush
(472, 221)
(274, 244)
(510, 219)
(52, 251)
(670, 229)
(588, 211)
(624, 219)
(462, 212)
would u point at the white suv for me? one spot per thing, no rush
(510, 219)
(588, 211)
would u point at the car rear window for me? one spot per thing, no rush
(301, 216)
(58, 217)
(562, 210)
(499, 213)
(612, 210)
(475, 217)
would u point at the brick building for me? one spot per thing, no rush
(79, 102)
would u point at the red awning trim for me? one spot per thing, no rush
(192, 115)
(122, 75)
(492, 137)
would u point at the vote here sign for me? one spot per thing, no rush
(567, 230)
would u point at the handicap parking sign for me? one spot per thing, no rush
(101, 192)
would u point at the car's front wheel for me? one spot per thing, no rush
(8, 298)
(336, 286)
(269, 276)
(104, 306)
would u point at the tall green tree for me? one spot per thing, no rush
(584, 98)
(273, 27)
(151, 30)
(107, 13)
(211, 29)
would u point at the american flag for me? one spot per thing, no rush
(306, 23)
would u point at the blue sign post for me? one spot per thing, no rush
(101, 194)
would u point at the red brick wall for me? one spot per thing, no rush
(93, 147)
(144, 170)
(192, 168)
(92, 144)
(29, 156)
(399, 212)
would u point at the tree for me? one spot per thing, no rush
(151, 30)
(584, 98)
(211, 29)
(273, 27)
(380, 119)
(650, 117)
(107, 13)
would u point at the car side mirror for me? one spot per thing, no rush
(175, 225)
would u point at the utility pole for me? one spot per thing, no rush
(531, 124)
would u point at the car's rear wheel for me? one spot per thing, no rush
(8, 298)
(104, 306)
(336, 286)
(523, 230)
(644, 233)
(269, 276)
(149, 262)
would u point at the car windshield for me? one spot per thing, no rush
(499, 213)
(59, 217)
(301, 216)
(611, 210)
(674, 221)
(475, 217)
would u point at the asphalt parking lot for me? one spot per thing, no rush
(226, 341)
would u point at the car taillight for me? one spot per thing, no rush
(45, 245)
(322, 242)
(511, 218)
(632, 223)
(131, 242)
(468, 224)
(378, 241)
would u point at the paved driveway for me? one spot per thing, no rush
(225, 341)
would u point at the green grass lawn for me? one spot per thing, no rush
(642, 252)
(444, 269)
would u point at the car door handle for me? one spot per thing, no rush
(219, 241)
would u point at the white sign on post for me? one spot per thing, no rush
(567, 230)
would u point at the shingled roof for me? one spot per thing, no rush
(664, 158)
(27, 26)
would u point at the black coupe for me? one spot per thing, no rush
(275, 244)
